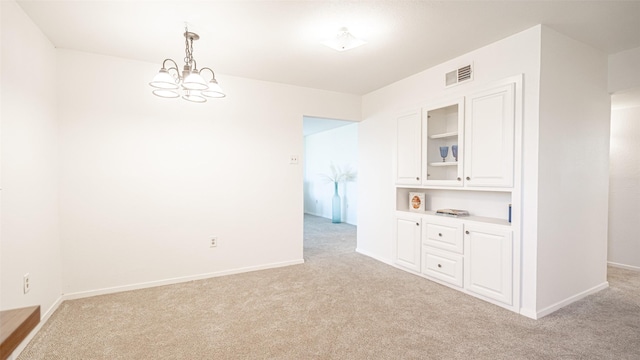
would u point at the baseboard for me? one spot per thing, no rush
(530, 313)
(623, 266)
(314, 214)
(150, 284)
(548, 310)
(43, 320)
(375, 257)
(350, 222)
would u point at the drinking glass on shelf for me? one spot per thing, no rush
(454, 151)
(444, 150)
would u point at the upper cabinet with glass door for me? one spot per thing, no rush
(466, 142)
(444, 141)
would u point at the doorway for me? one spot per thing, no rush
(330, 143)
(330, 149)
(624, 178)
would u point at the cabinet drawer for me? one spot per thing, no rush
(442, 266)
(444, 236)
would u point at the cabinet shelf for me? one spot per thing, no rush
(444, 135)
(440, 187)
(470, 218)
(447, 163)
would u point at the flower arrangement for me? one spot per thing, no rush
(339, 175)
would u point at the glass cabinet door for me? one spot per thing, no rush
(443, 132)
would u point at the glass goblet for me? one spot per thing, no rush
(444, 151)
(454, 151)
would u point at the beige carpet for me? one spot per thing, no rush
(338, 305)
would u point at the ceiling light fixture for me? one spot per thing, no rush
(344, 41)
(170, 83)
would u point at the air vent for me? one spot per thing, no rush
(457, 76)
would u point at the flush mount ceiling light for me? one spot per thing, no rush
(171, 83)
(344, 41)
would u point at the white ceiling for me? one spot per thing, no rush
(279, 41)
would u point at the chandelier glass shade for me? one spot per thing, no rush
(188, 84)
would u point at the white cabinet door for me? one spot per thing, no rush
(408, 231)
(488, 268)
(409, 148)
(489, 137)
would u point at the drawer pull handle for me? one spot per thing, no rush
(440, 234)
(467, 232)
(417, 224)
(439, 265)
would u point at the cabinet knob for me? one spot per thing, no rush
(459, 179)
(440, 234)
(417, 178)
(468, 178)
(439, 265)
(417, 224)
(467, 232)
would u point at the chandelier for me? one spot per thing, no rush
(188, 84)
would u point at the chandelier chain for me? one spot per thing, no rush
(191, 51)
(188, 47)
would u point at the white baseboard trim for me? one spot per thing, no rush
(548, 310)
(177, 280)
(530, 313)
(318, 215)
(375, 257)
(44, 317)
(624, 266)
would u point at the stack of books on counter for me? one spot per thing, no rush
(452, 212)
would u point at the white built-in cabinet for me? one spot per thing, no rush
(475, 254)
(464, 253)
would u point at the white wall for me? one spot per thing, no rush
(624, 188)
(338, 146)
(29, 241)
(574, 164)
(518, 54)
(146, 182)
(624, 73)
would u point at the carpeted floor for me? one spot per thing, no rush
(338, 305)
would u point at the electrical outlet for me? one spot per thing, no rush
(293, 159)
(26, 286)
(214, 242)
